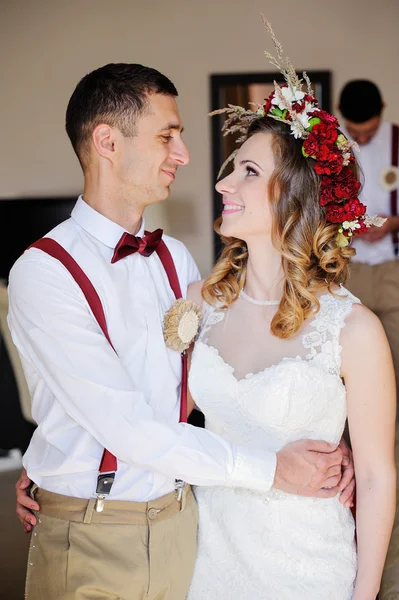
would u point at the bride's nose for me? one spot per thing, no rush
(226, 185)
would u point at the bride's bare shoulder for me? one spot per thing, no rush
(361, 317)
(194, 292)
(363, 332)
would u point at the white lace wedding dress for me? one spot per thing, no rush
(258, 390)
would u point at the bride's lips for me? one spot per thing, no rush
(231, 207)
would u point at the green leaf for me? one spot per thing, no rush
(314, 121)
(277, 112)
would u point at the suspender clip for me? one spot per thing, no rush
(105, 482)
(179, 487)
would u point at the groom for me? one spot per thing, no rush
(87, 395)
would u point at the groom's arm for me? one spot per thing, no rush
(307, 468)
(83, 383)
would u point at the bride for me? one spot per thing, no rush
(285, 353)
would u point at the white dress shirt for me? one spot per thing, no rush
(85, 397)
(374, 158)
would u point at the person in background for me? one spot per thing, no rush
(374, 270)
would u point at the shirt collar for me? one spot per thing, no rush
(103, 229)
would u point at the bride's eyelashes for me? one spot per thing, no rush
(251, 172)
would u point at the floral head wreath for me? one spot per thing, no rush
(323, 142)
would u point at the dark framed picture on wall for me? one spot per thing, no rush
(242, 89)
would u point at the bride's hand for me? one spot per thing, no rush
(309, 468)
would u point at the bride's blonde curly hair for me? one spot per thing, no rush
(311, 258)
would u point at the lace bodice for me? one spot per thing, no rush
(257, 390)
(258, 383)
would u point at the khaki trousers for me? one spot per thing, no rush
(130, 551)
(378, 288)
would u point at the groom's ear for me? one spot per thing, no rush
(105, 140)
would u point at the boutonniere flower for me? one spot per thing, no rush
(181, 324)
(389, 179)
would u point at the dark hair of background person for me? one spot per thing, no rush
(360, 101)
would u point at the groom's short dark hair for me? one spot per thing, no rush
(115, 94)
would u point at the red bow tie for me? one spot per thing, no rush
(129, 244)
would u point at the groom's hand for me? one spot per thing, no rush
(347, 483)
(309, 468)
(25, 504)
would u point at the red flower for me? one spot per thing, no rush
(355, 207)
(362, 228)
(321, 143)
(309, 98)
(327, 118)
(298, 107)
(311, 145)
(268, 103)
(333, 166)
(335, 213)
(346, 185)
(327, 193)
(350, 211)
(326, 132)
(326, 154)
(342, 186)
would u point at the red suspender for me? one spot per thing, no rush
(394, 193)
(56, 251)
(169, 266)
(109, 463)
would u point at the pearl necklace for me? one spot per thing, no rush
(258, 302)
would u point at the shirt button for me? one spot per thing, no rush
(152, 513)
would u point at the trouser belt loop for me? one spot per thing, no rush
(89, 510)
(183, 500)
(32, 490)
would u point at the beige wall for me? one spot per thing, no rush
(46, 46)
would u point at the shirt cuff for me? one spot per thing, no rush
(254, 471)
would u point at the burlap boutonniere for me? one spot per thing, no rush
(389, 179)
(181, 325)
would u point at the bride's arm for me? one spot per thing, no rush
(368, 372)
(193, 294)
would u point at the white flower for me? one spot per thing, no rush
(297, 130)
(341, 142)
(290, 96)
(347, 158)
(309, 107)
(352, 225)
(303, 118)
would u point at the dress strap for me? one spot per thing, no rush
(210, 316)
(323, 334)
